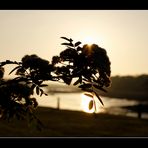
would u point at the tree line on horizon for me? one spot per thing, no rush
(130, 87)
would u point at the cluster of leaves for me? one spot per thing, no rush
(89, 64)
(16, 100)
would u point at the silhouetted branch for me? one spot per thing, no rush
(89, 64)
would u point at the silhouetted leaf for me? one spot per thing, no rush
(70, 40)
(91, 104)
(87, 89)
(67, 80)
(37, 90)
(68, 44)
(41, 92)
(14, 69)
(103, 89)
(33, 86)
(45, 94)
(8, 62)
(77, 43)
(55, 60)
(28, 82)
(77, 82)
(98, 87)
(99, 98)
(85, 86)
(19, 79)
(79, 49)
(35, 103)
(85, 79)
(43, 85)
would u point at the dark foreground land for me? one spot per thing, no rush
(63, 123)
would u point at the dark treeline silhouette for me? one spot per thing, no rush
(130, 87)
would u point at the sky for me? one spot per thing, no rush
(123, 33)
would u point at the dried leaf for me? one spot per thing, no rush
(91, 104)
(89, 95)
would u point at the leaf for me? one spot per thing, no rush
(98, 87)
(79, 48)
(85, 79)
(77, 43)
(85, 86)
(95, 106)
(43, 85)
(37, 90)
(91, 104)
(41, 92)
(87, 89)
(99, 98)
(35, 103)
(89, 95)
(68, 44)
(67, 80)
(70, 40)
(14, 69)
(29, 82)
(103, 89)
(18, 79)
(8, 62)
(55, 60)
(33, 86)
(78, 81)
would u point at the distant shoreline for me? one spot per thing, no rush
(130, 95)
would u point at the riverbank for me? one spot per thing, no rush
(65, 123)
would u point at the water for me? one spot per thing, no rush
(73, 101)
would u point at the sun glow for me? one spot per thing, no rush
(85, 100)
(89, 40)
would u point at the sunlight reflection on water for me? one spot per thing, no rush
(72, 101)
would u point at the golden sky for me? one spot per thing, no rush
(123, 33)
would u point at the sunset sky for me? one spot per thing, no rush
(123, 33)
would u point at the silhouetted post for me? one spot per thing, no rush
(58, 103)
(139, 110)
